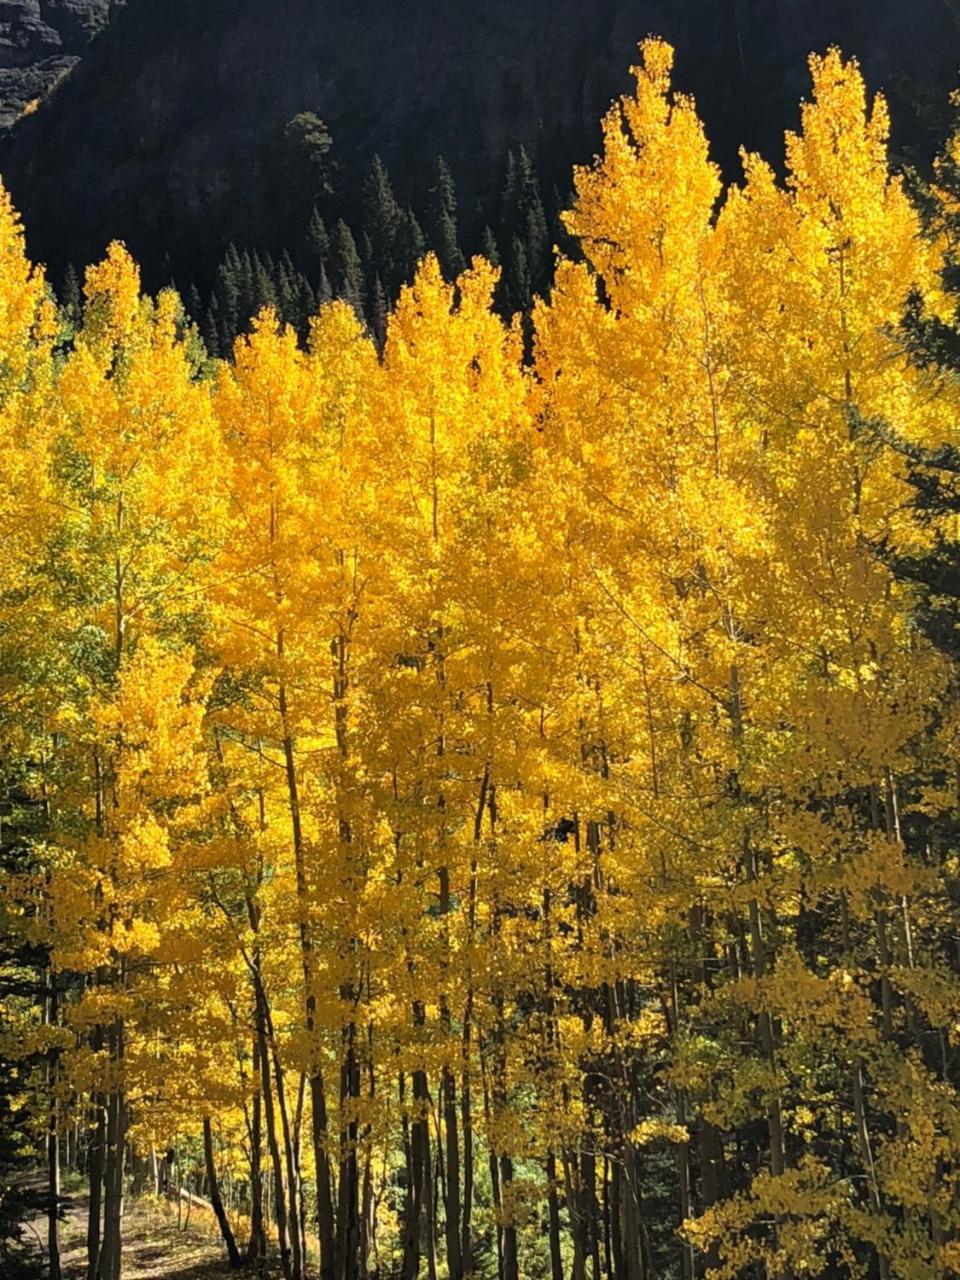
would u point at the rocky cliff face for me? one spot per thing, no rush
(163, 133)
(40, 41)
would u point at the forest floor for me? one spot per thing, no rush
(155, 1246)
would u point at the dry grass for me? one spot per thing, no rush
(155, 1247)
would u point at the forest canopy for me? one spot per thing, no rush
(485, 795)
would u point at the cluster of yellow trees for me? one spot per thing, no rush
(492, 793)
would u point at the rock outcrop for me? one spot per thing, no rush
(40, 41)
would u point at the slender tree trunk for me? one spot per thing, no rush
(111, 1250)
(494, 1164)
(73, 1142)
(213, 1185)
(257, 1244)
(368, 1206)
(466, 1100)
(430, 1218)
(511, 1257)
(348, 1207)
(326, 1225)
(296, 1236)
(448, 1091)
(590, 1207)
(454, 1238)
(414, 1193)
(553, 1209)
(367, 1218)
(571, 1182)
(466, 1124)
(418, 1198)
(279, 1197)
(861, 1118)
(326, 1222)
(53, 1140)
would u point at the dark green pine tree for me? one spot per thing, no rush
(215, 337)
(247, 291)
(510, 197)
(347, 272)
(409, 251)
(23, 980)
(20, 1199)
(307, 305)
(516, 285)
(299, 173)
(537, 243)
(193, 303)
(935, 345)
(307, 145)
(443, 235)
(523, 226)
(229, 288)
(323, 293)
(287, 288)
(318, 241)
(264, 285)
(378, 314)
(71, 299)
(382, 222)
(489, 247)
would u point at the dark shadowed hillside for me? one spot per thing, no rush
(40, 41)
(164, 134)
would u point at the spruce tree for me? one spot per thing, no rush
(517, 284)
(489, 247)
(378, 314)
(288, 293)
(410, 247)
(247, 293)
(934, 342)
(194, 303)
(318, 240)
(212, 330)
(306, 306)
(523, 225)
(382, 223)
(323, 293)
(347, 274)
(228, 291)
(442, 232)
(71, 298)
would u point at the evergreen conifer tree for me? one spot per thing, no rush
(442, 230)
(347, 274)
(378, 314)
(70, 297)
(382, 224)
(524, 226)
(409, 249)
(489, 247)
(323, 292)
(318, 240)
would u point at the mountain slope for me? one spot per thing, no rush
(164, 133)
(40, 41)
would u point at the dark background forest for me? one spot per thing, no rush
(289, 151)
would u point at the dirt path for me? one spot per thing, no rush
(154, 1247)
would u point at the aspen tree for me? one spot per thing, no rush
(121, 571)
